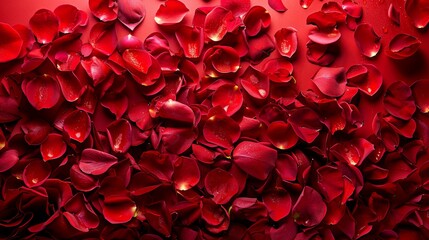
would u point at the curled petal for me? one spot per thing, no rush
(333, 115)
(366, 77)
(129, 42)
(186, 173)
(324, 37)
(394, 14)
(309, 209)
(403, 46)
(80, 214)
(277, 5)
(322, 55)
(221, 60)
(103, 38)
(44, 25)
(217, 23)
(118, 209)
(367, 40)
(260, 47)
(331, 81)
(145, 69)
(352, 9)
(10, 43)
(96, 69)
(286, 41)
(255, 83)
(418, 11)
(131, 13)
(229, 97)
(278, 70)
(281, 135)
(171, 12)
(419, 92)
(305, 122)
(70, 18)
(255, 159)
(330, 182)
(156, 43)
(191, 39)
(354, 151)
(36, 173)
(237, 7)
(70, 85)
(96, 162)
(328, 18)
(35, 130)
(82, 181)
(119, 134)
(256, 20)
(77, 125)
(399, 101)
(220, 129)
(176, 111)
(177, 140)
(215, 216)
(105, 10)
(8, 159)
(305, 3)
(42, 92)
(221, 184)
(53, 147)
(278, 202)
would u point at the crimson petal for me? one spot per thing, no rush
(186, 173)
(118, 209)
(255, 159)
(221, 184)
(419, 92)
(286, 167)
(191, 39)
(399, 100)
(354, 151)
(44, 25)
(177, 140)
(221, 60)
(103, 38)
(53, 147)
(70, 85)
(105, 10)
(229, 97)
(324, 37)
(286, 41)
(255, 83)
(322, 55)
(10, 43)
(157, 164)
(352, 9)
(394, 14)
(80, 214)
(217, 23)
(260, 47)
(96, 162)
(171, 12)
(256, 20)
(176, 111)
(309, 209)
(82, 181)
(278, 202)
(77, 125)
(281, 135)
(119, 134)
(237, 7)
(35, 130)
(277, 5)
(305, 122)
(42, 92)
(367, 40)
(36, 172)
(8, 159)
(418, 11)
(403, 46)
(131, 13)
(70, 18)
(366, 77)
(331, 81)
(220, 129)
(278, 70)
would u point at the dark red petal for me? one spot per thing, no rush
(402, 127)
(324, 38)
(278, 202)
(96, 69)
(399, 101)
(10, 43)
(306, 124)
(186, 173)
(215, 216)
(203, 154)
(255, 83)
(217, 23)
(330, 182)
(80, 214)
(366, 77)
(255, 159)
(286, 167)
(394, 14)
(8, 159)
(118, 209)
(403, 46)
(131, 13)
(53, 147)
(277, 5)
(367, 40)
(119, 134)
(171, 12)
(70, 18)
(220, 60)
(322, 55)
(237, 7)
(105, 10)
(157, 164)
(36, 172)
(309, 209)
(77, 125)
(36, 130)
(220, 129)
(278, 70)
(96, 162)
(177, 140)
(260, 47)
(42, 92)
(44, 25)
(256, 20)
(352, 152)
(331, 81)
(142, 183)
(286, 41)
(128, 42)
(82, 181)
(103, 38)
(420, 95)
(418, 11)
(70, 85)
(191, 39)
(221, 184)
(229, 97)
(332, 115)
(159, 217)
(281, 135)
(176, 111)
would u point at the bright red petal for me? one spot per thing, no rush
(42, 92)
(281, 135)
(309, 209)
(36, 173)
(367, 40)
(10, 43)
(229, 97)
(221, 184)
(286, 41)
(403, 46)
(119, 134)
(277, 5)
(186, 173)
(70, 18)
(418, 11)
(366, 77)
(53, 147)
(331, 81)
(191, 39)
(419, 92)
(44, 25)
(171, 12)
(105, 10)
(278, 202)
(131, 13)
(78, 125)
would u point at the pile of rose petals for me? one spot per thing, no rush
(128, 138)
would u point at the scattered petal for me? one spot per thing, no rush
(131, 13)
(171, 12)
(367, 40)
(331, 81)
(277, 5)
(366, 77)
(221, 184)
(399, 100)
(403, 46)
(309, 210)
(418, 11)
(77, 125)
(44, 25)
(286, 41)
(10, 43)
(96, 162)
(53, 147)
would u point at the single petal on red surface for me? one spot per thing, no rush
(257, 19)
(70, 18)
(118, 209)
(131, 13)
(35, 173)
(394, 14)
(77, 125)
(191, 39)
(255, 83)
(237, 7)
(367, 40)
(229, 97)
(260, 47)
(171, 12)
(403, 46)
(220, 129)
(217, 23)
(287, 167)
(278, 70)
(399, 100)
(81, 181)
(286, 41)
(157, 164)
(80, 214)
(366, 77)
(44, 25)
(103, 38)
(186, 173)
(281, 135)
(105, 10)
(70, 85)
(352, 9)
(278, 202)
(331, 81)
(8, 159)
(96, 162)
(119, 134)
(420, 95)
(323, 55)
(324, 37)
(221, 184)
(220, 60)
(255, 159)
(418, 11)
(10, 43)
(306, 124)
(177, 140)
(42, 92)
(176, 111)
(277, 5)
(309, 209)
(36, 130)
(53, 147)
(305, 3)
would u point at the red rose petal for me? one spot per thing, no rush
(255, 159)
(70, 18)
(333, 115)
(44, 25)
(366, 77)
(367, 40)
(10, 43)
(278, 202)
(331, 81)
(324, 38)
(145, 69)
(191, 39)
(260, 47)
(221, 184)
(327, 19)
(103, 38)
(418, 11)
(35, 173)
(186, 173)
(215, 216)
(53, 147)
(309, 209)
(131, 13)
(278, 70)
(119, 134)
(96, 69)
(305, 123)
(352, 8)
(286, 41)
(118, 209)
(42, 92)
(305, 3)
(255, 83)
(322, 55)
(277, 5)
(330, 182)
(176, 111)
(221, 60)
(159, 217)
(35, 130)
(220, 129)
(419, 92)
(157, 164)
(354, 151)
(171, 12)
(82, 181)
(399, 101)
(394, 14)
(142, 183)
(80, 214)
(237, 7)
(104, 10)
(281, 135)
(96, 162)
(403, 46)
(217, 23)
(77, 125)
(256, 20)
(177, 140)
(286, 167)
(8, 159)
(70, 85)
(229, 97)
